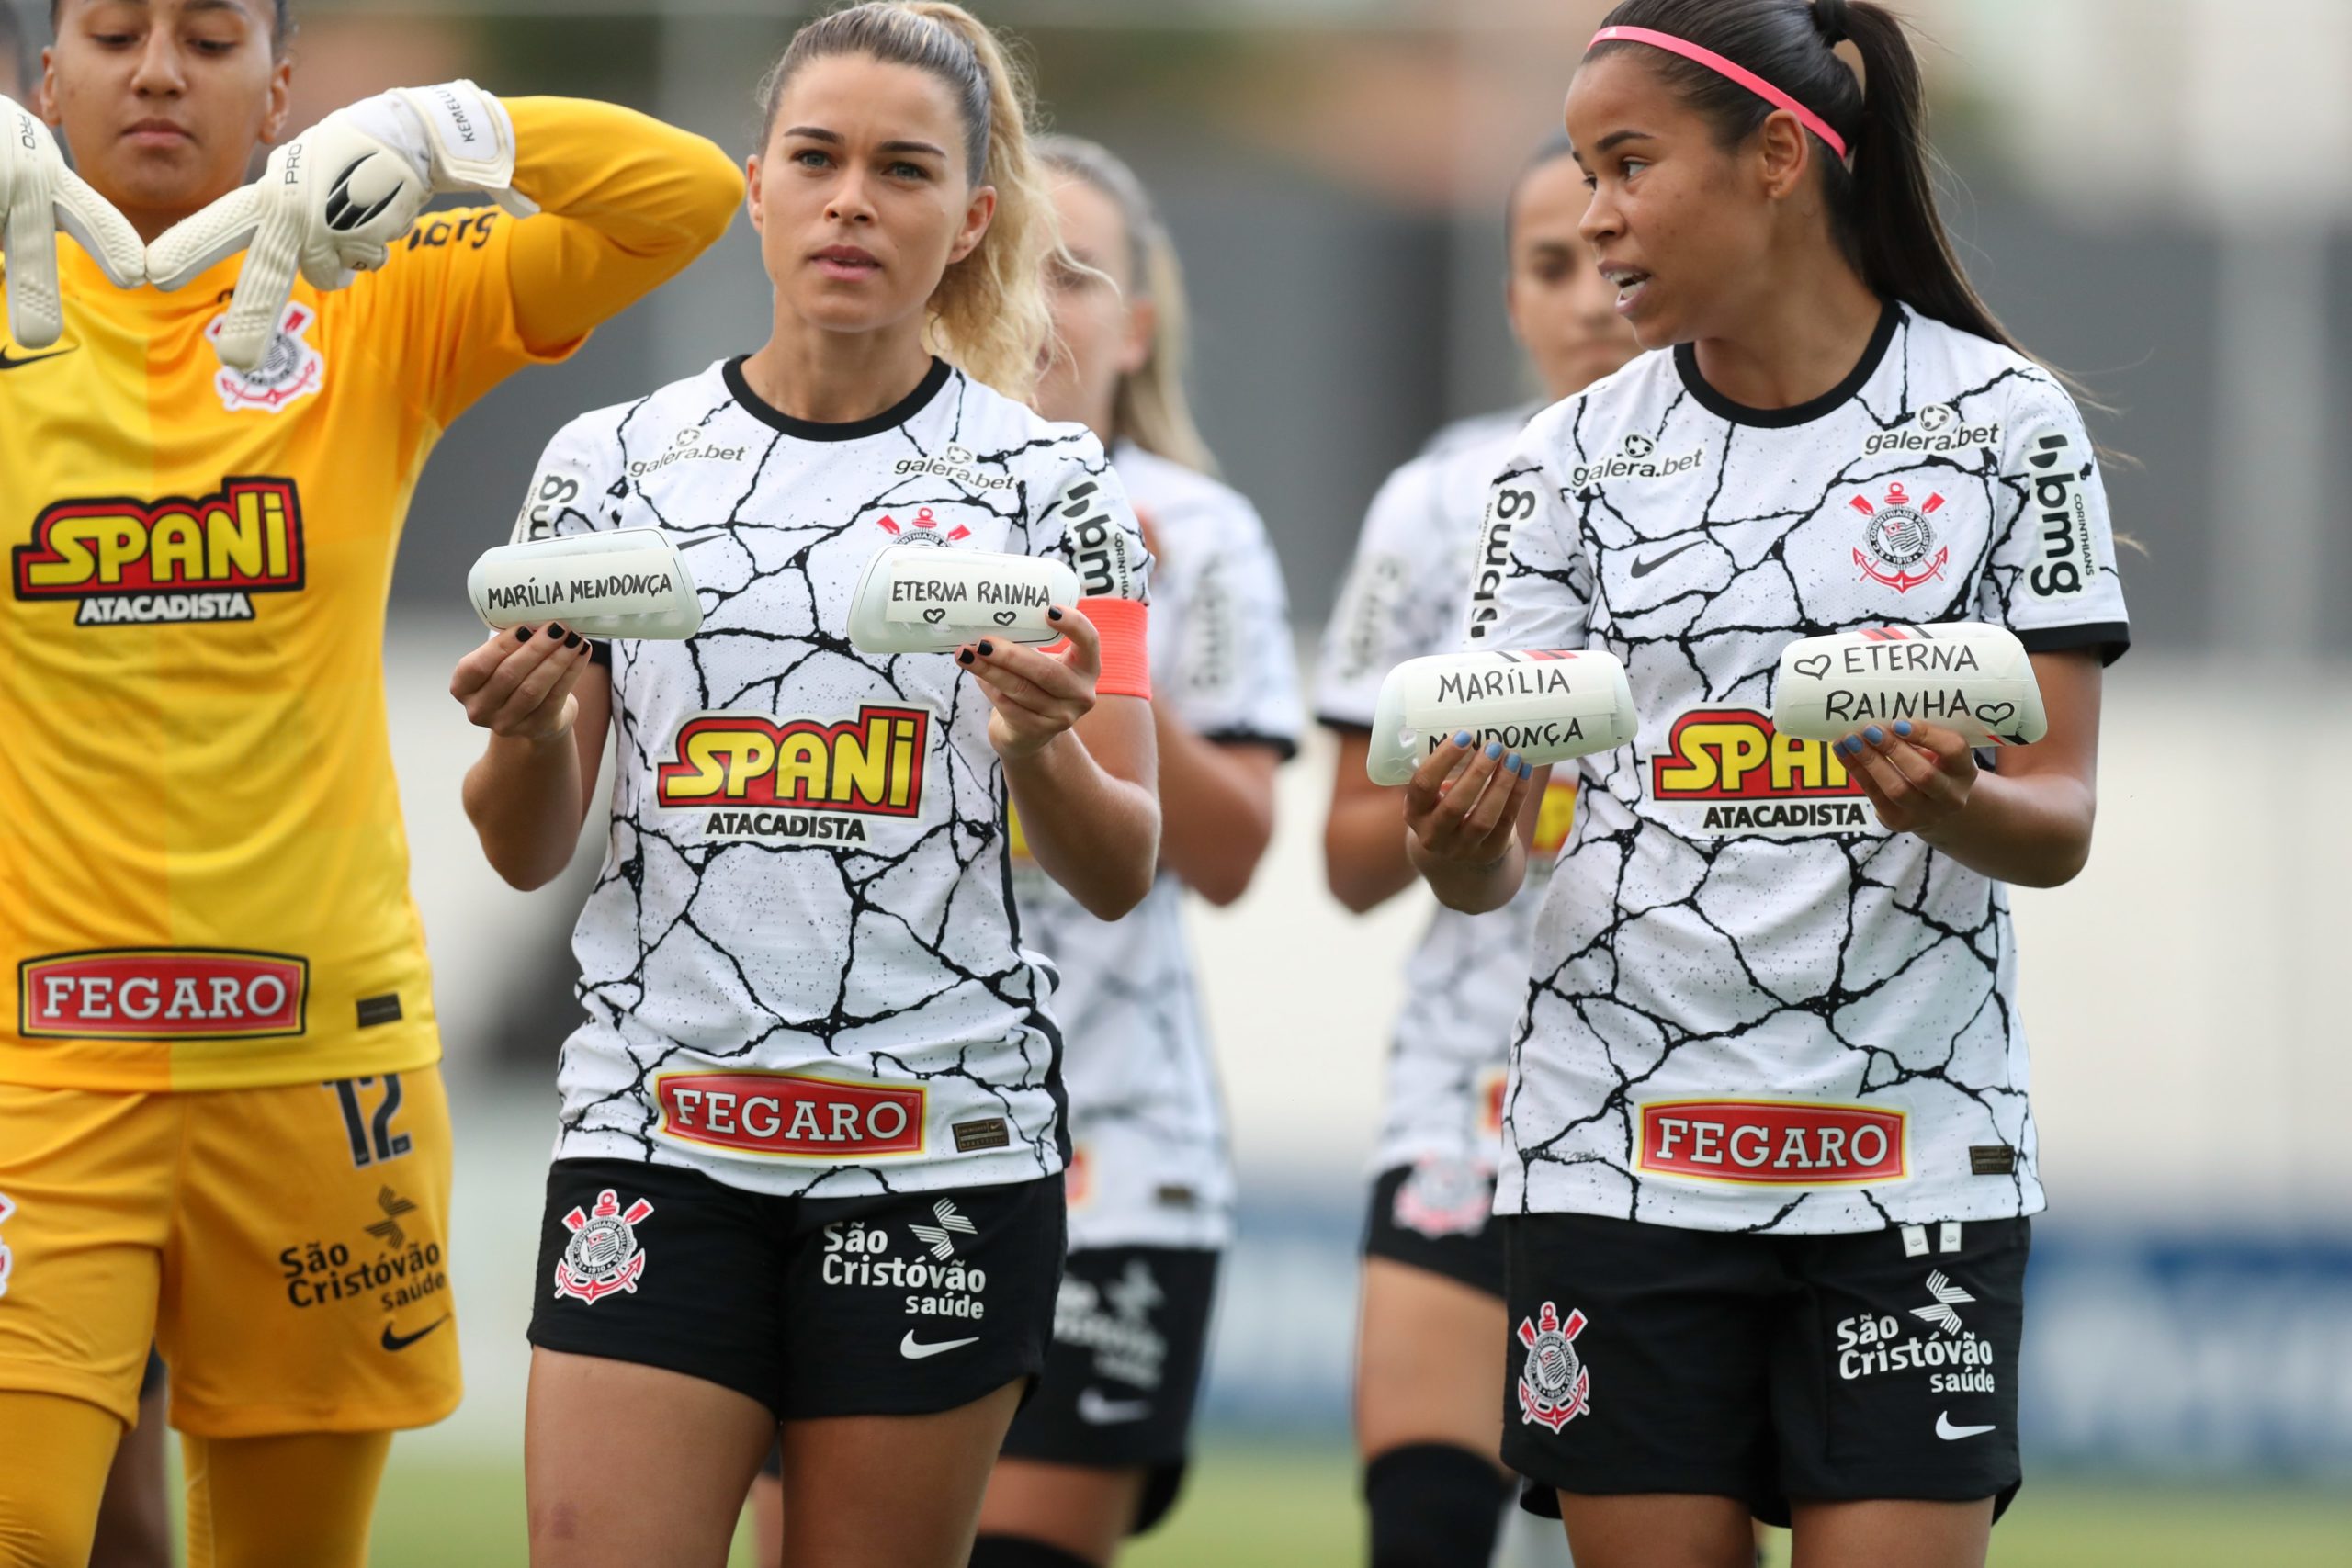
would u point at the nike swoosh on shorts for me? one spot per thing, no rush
(1948, 1432)
(1096, 1410)
(914, 1349)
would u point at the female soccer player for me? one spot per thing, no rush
(1768, 1158)
(809, 1170)
(1100, 1453)
(222, 1125)
(1427, 1356)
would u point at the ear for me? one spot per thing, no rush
(976, 218)
(45, 95)
(1511, 306)
(753, 197)
(1143, 330)
(1784, 154)
(281, 100)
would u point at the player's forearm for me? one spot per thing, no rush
(1216, 809)
(1472, 890)
(521, 798)
(649, 189)
(2033, 832)
(1096, 834)
(1364, 858)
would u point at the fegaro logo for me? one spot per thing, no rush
(803, 780)
(1937, 428)
(171, 560)
(1637, 459)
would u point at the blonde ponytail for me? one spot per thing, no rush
(989, 315)
(1150, 407)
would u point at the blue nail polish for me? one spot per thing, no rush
(1849, 747)
(1877, 736)
(1494, 748)
(1463, 741)
(1902, 727)
(1517, 767)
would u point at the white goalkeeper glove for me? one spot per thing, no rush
(334, 200)
(38, 193)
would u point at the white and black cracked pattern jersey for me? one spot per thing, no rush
(1150, 1165)
(1753, 1008)
(799, 964)
(1405, 598)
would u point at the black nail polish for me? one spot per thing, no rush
(965, 657)
(574, 639)
(1053, 615)
(522, 634)
(988, 650)
(555, 631)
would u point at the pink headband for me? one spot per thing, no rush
(1722, 67)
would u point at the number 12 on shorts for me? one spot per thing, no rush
(372, 1138)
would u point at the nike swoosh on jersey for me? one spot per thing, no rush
(18, 361)
(1948, 1432)
(402, 1341)
(1096, 1410)
(1644, 568)
(914, 1349)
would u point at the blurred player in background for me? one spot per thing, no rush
(1431, 1342)
(221, 1123)
(1099, 1451)
(1767, 1155)
(807, 1189)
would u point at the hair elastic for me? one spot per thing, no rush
(1722, 67)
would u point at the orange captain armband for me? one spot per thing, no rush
(1122, 624)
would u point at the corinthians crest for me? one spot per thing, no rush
(1554, 1386)
(289, 368)
(1899, 537)
(602, 1256)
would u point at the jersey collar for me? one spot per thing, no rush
(889, 419)
(1685, 361)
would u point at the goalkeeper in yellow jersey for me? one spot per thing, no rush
(221, 1123)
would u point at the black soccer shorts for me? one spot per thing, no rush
(1879, 1365)
(1438, 1215)
(906, 1304)
(1131, 1335)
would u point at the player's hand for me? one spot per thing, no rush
(39, 195)
(1462, 803)
(1037, 694)
(519, 683)
(1918, 776)
(334, 200)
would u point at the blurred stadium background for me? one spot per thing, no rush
(2156, 195)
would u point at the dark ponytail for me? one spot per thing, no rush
(1883, 205)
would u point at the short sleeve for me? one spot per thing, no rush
(1089, 524)
(1530, 582)
(2051, 576)
(1396, 604)
(572, 490)
(1236, 676)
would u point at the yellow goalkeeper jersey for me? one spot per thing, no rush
(203, 876)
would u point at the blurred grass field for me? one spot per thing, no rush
(1253, 1506)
